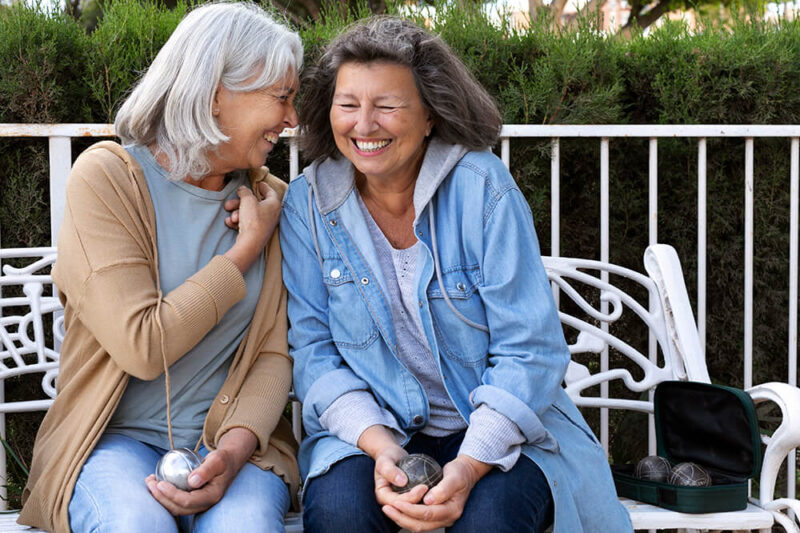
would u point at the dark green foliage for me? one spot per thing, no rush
(124, 44)
(50, 71)
(43, 60)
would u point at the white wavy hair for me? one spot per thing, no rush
(220, 43)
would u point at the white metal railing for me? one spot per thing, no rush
(60, 135)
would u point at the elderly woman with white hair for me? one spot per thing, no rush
(169, 269)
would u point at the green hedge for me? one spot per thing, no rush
(52, 71)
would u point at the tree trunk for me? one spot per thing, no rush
(644, 20)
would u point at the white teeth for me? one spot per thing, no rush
(371, 146)
(271, 137)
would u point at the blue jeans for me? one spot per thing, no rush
(343, 499)
(110, 496)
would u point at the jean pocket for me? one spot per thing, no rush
(579, 424)
(458, 340)
(349, 320)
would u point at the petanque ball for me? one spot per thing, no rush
(176, 465)
(420, 469)
(690, 475)
(653, 468)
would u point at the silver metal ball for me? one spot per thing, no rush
(419, 469)
(176, 465)
(653, 468)
(690, 475)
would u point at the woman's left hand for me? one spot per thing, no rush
(211, 479)
(444, 503)
(232, 220)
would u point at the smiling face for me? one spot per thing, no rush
(379, 121)
(253, 120)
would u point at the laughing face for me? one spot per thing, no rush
(253, 120)
(379, 121)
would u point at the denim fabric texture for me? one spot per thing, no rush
(110, 496)
(342, 338)
(343, 499)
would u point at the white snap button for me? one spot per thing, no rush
(364, 281)
(224, 399)
(335, 273)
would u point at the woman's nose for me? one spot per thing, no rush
(365, 122)
(291, 117)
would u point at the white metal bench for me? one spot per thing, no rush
(627, 333)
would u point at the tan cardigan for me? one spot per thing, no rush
(119, 324)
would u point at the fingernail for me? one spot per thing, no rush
(194, 480)
(399, 480)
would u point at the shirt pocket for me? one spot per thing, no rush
(458, 340)
(349, 320)
(579, 424)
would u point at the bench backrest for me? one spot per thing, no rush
(623, 327)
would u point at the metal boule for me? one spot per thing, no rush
(176, 465)
(420, 469)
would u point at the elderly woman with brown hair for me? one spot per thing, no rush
(176, 321)
(421, 317)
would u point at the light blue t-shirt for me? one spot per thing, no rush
(190, 231)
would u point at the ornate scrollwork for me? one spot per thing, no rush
(574, 281)
(31, 317)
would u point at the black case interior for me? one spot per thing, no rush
(711, 425)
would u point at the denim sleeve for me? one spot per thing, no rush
(320, 373)
(528, 355)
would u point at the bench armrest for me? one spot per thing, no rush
(785, 439)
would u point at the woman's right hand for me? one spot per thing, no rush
(387, 474)
(379, 443)
(256, 222)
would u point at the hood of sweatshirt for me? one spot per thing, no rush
(332, 180)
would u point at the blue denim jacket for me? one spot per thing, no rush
(490, 270)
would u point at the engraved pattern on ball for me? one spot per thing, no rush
(690, 475)
(653, 468)
(420, 469)
(176, 465)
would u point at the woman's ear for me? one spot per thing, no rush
(215, 104)
(429, 126)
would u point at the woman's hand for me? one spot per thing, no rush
(379, 443)
(444, 503)
(232, 220)
(211, 479)
(255, 221)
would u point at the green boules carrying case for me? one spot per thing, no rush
(710, 425)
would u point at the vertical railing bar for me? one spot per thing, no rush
(505, 151)
(60, 165)
(294, 159)
(794, 214)
(3, 469)
(555, 206)
(702, 224)
(748, 263)
(604, 257)
(652, 345)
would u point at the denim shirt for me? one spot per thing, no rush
(487, 253)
